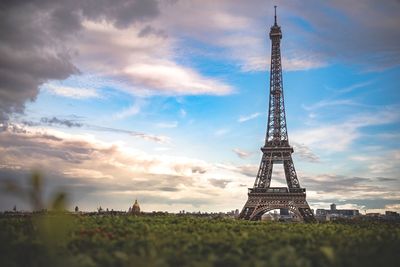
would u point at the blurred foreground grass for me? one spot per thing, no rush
(73, 240)
(59, 238)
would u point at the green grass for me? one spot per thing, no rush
(187, 241)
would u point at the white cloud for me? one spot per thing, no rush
(71, 92)
(380, 163)
(87, 173)
(353, 87)
(249, 117)
(140, 65)
(328, 103)
(169, 78)
(305, 153)
(331, 138)
(240, 153)
(131, 111)
(339, 136)
(262, 63)
(393, 207)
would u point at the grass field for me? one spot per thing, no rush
(186, 241)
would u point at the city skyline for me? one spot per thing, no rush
(166, 102)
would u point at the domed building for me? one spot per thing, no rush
(135, 208)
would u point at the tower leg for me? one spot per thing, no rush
(260, 203)
(290, 174)
(264, 174)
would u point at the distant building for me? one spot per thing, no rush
(391, 214)
(268, 217)
(284, 212)
(373, 214)
(333, 212)
(135, 208)
(237, 213)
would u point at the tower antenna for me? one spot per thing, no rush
(275, 15)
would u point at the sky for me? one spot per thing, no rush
(166, 101)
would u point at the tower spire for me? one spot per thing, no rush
(275, 16)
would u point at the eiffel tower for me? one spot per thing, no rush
(276, 150)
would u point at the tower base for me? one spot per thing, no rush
(262, 200)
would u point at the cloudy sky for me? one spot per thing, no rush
(166, 101)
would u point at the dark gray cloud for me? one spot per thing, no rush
(221, 183)
(199, 169)
(351, 187)
(65, 122)
(384, 179)
(34, 34)
(149, 30)
(334, 183)
(37, 147)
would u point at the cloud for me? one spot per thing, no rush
(288, 63)
(305, 153)
(170, 78)
(249, 170)
(359, 46)
(72, 123)
(137, 43)
(113, 174)
(375, 165)
(65, 122)
(132, 110)
(145, 136)
(241, 154)
(393, 207)
(334, 102)
(219, 183)
(339, 136)
(323, 33)
(72, 92)
(36, 35)
(353, 87)
(22, 72)
(329, 103)
(140, 65)
(149, 30)
(249, 117)
(53, 40)
(98, 173)
(332, 187)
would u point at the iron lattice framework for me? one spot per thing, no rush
(276, 150)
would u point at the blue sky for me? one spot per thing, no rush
(167, 103)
